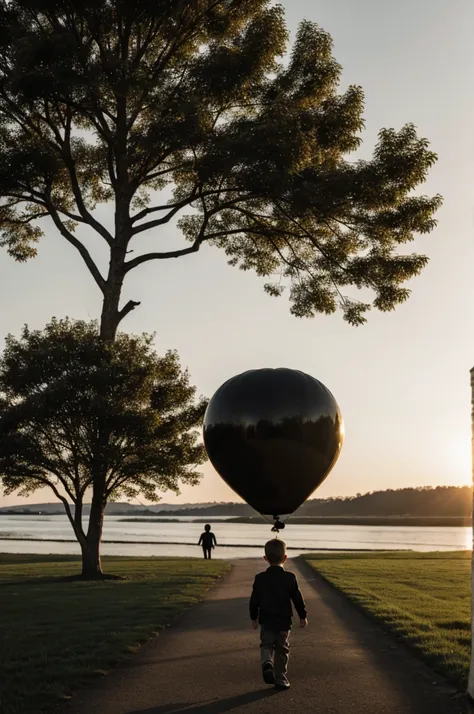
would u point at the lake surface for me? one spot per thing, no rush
(235, 540)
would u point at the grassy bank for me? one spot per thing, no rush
(424, 598)
(57, 634)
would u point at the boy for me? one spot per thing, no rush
(270, 606)
(208, 541)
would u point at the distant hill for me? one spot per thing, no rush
(442, 501)
(114, 509)
(423, 501)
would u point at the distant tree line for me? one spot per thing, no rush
(442, 501)
(422, 501)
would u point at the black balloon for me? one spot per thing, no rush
(273, 435)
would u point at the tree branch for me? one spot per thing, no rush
(113, 485)
(62, 147)
(158, 222)
(175, 208)
(311, 238)
(59, 468)
(24, 221)
(101, 123)
(171, 254)
(131, 264)
(318, 246)
(188, 200)
(162, 172)
(71, 238)
(76, 189)
(131, 305)
(77, 530)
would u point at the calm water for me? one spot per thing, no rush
(235, 540)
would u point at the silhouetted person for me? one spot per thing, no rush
(270, 606)
(208, 541)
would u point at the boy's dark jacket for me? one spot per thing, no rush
(207, 540)
(273, 592)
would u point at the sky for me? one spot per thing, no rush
(402, 380)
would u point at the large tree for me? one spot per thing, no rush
(185, 110)
(77, 412)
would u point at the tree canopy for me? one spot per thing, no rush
(190, 111)
(77, 412)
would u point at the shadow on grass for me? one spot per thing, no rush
(217, 707)
(58, 580)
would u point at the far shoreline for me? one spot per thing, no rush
(380, 521)
(415, 521)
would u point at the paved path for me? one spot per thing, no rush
(208, 664)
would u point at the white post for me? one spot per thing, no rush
(470, 686)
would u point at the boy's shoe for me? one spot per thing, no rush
(268, 673)
(282, 683)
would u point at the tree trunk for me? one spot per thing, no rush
(470, 687)
(110, 317)
(111, 314)
(91, 564)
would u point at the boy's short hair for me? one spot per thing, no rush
(275, 551)
(207, 527)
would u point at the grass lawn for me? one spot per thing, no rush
(425, 598)
(55, 635)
